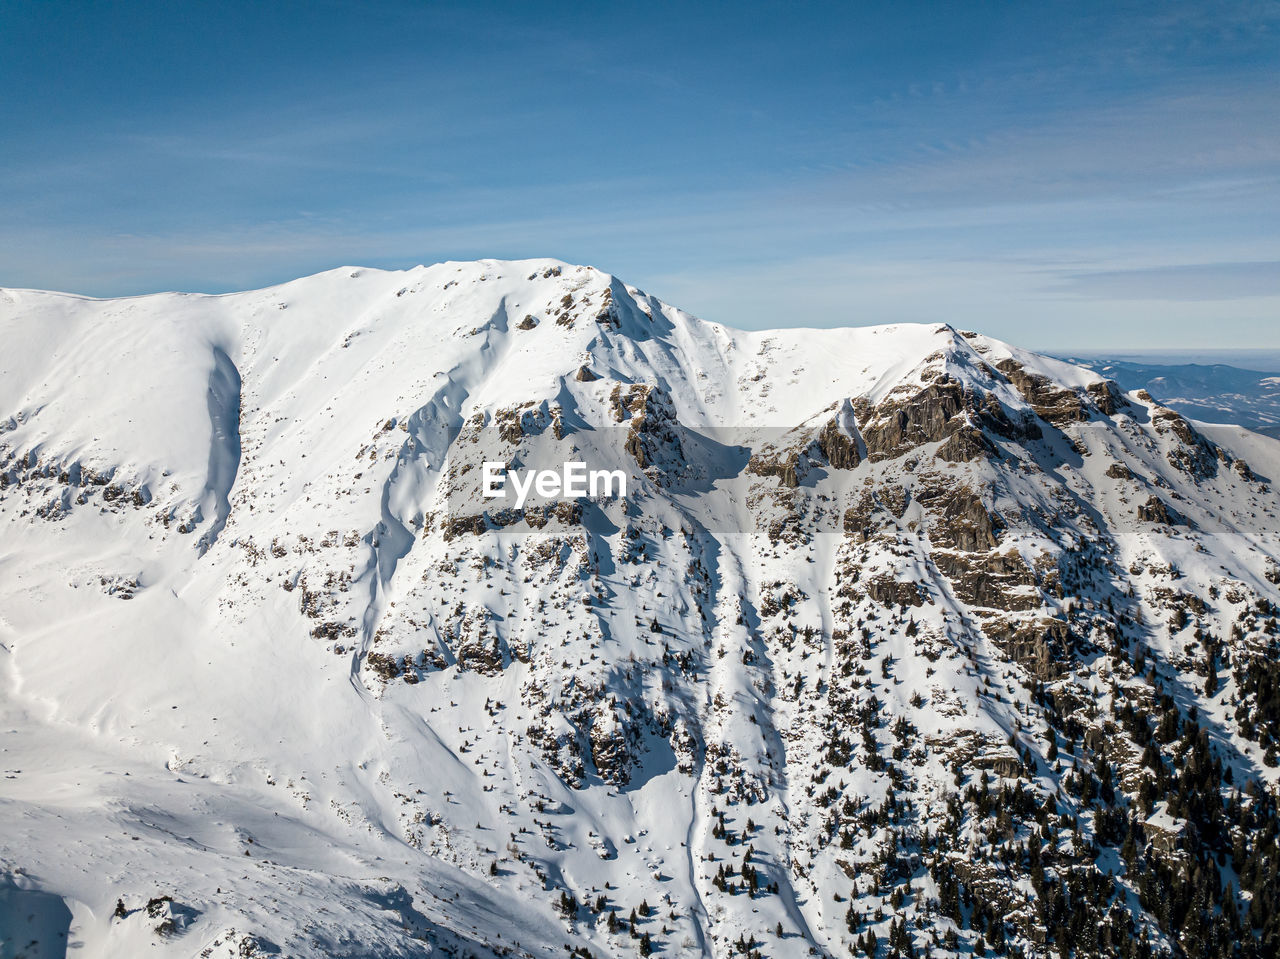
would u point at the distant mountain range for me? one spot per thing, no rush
(1214, 392)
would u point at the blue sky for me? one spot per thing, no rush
(1065, 176)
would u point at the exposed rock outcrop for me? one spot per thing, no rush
(1052, 403)
(962, 522)
(990, 580)
(838, 448)
(1156, 510)
(898, 425)
(1038, 645)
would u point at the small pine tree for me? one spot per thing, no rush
(1211, 681)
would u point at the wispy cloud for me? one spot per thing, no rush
(1193, 282)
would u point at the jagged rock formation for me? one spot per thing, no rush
(901, 641)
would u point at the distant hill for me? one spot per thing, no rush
(1213, 393)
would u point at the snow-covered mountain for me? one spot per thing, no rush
(902, 638)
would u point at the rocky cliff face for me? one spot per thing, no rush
(902, 639)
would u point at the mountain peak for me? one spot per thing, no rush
(887, 622)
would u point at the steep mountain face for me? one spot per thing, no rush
(901, 639)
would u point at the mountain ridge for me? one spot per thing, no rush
(823, 680)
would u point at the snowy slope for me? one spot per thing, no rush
(261, 656)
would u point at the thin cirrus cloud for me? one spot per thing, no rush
(1194, 281)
